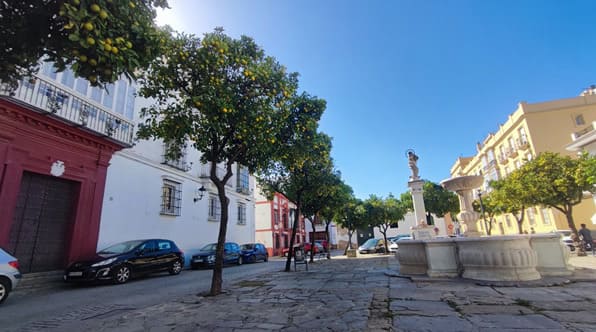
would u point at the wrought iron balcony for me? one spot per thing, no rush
(49, 98)
(522, 144)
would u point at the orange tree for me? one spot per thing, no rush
(302, 166)
(558, 182)
(319, 203)
(99, 39)
(384, 213)
(227, 99)
(335, 201)
(351, 216)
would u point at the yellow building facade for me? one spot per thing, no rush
(531, 129)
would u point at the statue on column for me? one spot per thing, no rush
(412, 163)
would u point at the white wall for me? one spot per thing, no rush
(404, 226)
(132, 203)
(321, 228)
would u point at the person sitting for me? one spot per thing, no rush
(586, 235)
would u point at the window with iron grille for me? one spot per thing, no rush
(545, 217)
(241, 214)
(179, 163)
(242, 179)
(214, 208)
(171, 197)
(531, 216)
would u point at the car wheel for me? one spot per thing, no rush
(4, 289)
(239, 260)
(122, 274)
(266, 258)
(253, 258)
(176, 268)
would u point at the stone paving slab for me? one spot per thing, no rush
(358, 295)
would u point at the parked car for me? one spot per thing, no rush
(323, 243)
(372, 246)
(9, 274)
(206, 256)
(566, 239)
(119, 262)
(393, 244)
(254, 252)
(306, 246)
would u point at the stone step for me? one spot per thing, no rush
(40, 280)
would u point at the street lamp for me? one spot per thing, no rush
(199, 194)
(482, 211)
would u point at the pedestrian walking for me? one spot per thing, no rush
(586, 235)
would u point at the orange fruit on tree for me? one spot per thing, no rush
(95, 8)
(103, 14)
(88, 26)
(90, 41)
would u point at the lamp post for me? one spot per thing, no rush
(200, 192)
(482, 211)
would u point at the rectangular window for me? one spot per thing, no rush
(48, 70)
(130, 101)
(579, 120)
(108, 96)
(522, 135)
(96, 94)
(214, 208)
(241, 214)
(242, 179)
(170, 198)
(276, 216)
(68, 78)
(545, 217)
(120, 97)
(81, 86)
(531, 217)
(179, 163)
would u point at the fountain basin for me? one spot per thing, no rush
(495, 258)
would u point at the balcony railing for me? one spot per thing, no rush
(584, 131)
(50, 98)
(180, 164)
(502, 159)
(511, 152)
(522, 144)
(205, 170)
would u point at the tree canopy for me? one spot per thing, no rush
(99, 39)
(227, 99)
(558, 181)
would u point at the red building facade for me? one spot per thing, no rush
(281, 213)
(52, 178)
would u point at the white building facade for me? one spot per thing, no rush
(148, 196)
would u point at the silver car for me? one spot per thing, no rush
(9, 274)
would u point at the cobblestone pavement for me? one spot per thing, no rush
(363, 294)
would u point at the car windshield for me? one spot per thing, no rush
(120, 248)
(247, 247)
(210, 247)
(370, 243)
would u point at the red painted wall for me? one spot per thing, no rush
(32, 141)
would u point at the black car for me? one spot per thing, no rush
(254, 252)
(120, 262)
(206, 256)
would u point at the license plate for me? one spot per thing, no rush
(198, 259)
(75, 274)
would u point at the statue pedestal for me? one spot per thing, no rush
(417, 198)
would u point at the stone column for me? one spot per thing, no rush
(416, 191)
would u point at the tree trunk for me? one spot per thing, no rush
(328, 241)
(569, 215)
(383, 230)
(520, 220)
(294, 227)
(217, 278)
(312, 239)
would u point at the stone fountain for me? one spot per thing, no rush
(491, 258)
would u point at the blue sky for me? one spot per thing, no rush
(433, 76)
